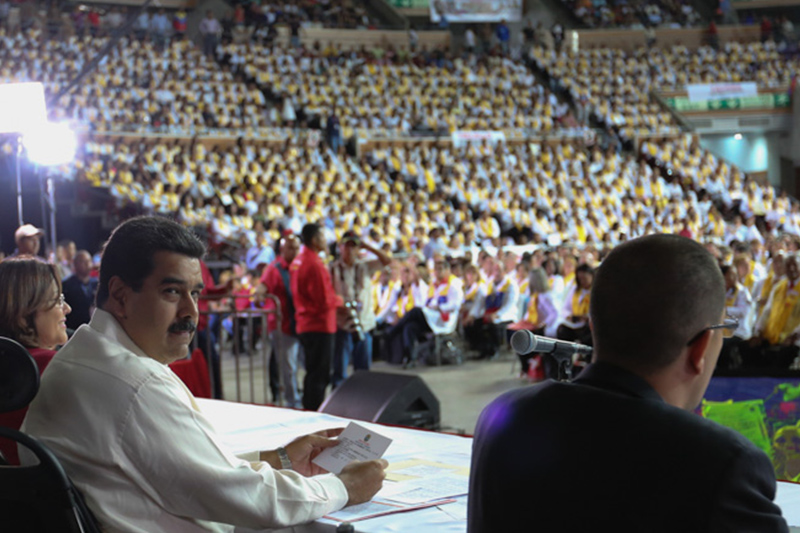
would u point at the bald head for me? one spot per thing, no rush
(650, 297)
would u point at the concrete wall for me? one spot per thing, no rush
(632, 39)
(348, 39)
(753, 153)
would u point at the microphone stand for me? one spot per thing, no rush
(564, 365)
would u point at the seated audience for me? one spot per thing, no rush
(777, 332)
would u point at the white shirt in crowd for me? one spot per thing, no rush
(133, 440)
(441, 308)
(508, 309)
(741, 309)
(344, 284)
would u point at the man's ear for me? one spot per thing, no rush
(696, 359)
(118, 292)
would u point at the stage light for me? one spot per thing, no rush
(50, 144)
(22, 107)
(738, 136)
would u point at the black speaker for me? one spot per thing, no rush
(396, 399)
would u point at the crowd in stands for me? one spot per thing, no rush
(600, 79)
(147, 86)
(328, 14)
(395, 91)
(158, 23)
(136, 87)
(464, 198)
(635, 14)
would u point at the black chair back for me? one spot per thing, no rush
(40, 498)
(19, 376)
(37, 498)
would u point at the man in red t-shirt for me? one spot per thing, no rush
(285, 344)
(315, 305)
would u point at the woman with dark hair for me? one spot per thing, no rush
(33, 313)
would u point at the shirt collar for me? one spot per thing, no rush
(614, 378)
(104, 323)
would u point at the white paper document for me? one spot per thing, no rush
(430, 489)
(356, 443)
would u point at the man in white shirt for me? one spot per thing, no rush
(738, 305)
(130, 434)
(210, 30)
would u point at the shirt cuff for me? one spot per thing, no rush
(335, 488)
(250, 457)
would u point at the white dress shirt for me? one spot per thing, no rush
(130, 435)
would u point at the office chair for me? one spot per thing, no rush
(36, 498)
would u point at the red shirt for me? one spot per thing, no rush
(315, 301)
(273, 281)
(14, 419)
(209, 289)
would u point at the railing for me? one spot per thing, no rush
(252, 320)
(630, 40)
(685, 124)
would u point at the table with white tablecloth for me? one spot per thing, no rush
(247, 428)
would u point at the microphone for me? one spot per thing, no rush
(524, 342)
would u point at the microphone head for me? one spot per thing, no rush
(523, 341)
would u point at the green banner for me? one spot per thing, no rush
(761, 101)
(402, 4)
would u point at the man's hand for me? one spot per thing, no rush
(303, 450)
(363, 479)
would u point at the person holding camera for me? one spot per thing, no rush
(355, 320)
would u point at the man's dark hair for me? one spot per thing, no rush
(309, 232)
(129, 251)
(650, 297)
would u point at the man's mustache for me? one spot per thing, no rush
(183, 325)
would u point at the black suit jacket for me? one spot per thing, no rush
(606, 453)
(78, 299)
